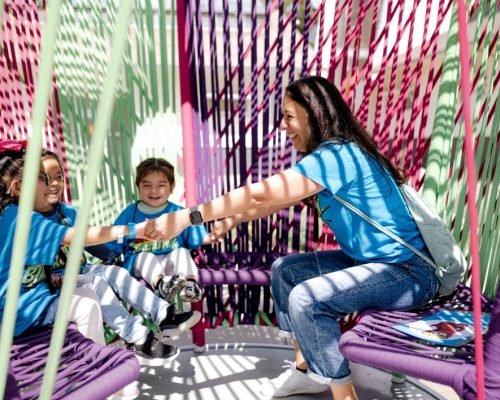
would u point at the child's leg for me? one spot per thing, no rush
(85, 312)
(129, 327)
(150, 267)
(130, 290)
(118, 280)
(182, 263)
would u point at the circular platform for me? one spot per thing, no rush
(236, 371)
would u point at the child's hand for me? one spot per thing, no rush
(57, 280)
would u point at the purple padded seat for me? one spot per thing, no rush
(250, 271)
(86, 370)
(375, 343)
(238, 268)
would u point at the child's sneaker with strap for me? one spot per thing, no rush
(167, 288)
(191, 291)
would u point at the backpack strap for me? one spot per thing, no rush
(384, 230)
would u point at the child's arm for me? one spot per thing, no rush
(102, 234)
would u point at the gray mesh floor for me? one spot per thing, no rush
(235, 367)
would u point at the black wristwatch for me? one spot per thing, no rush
(195, 216)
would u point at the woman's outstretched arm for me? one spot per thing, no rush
(267, 196)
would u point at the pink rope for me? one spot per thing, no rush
(471, 195)
(186, 107)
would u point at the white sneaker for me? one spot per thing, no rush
(291, 382)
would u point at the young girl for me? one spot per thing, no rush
(37, 305)
(166, 265)
(108, 280)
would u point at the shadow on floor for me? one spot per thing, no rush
(236, 371)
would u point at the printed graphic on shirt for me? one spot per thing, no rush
(141, 245)
(62, 258)
(34, 274)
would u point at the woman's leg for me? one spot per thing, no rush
(289, 271)
(316, 304)
(85, 312)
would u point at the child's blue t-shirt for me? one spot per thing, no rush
(359, 179)
(65, 215)
(190, 238)
(44, 240)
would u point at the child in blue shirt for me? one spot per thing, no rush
(108, 280)
(166, 265)
(37, 304)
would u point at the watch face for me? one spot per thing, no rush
(196, 218)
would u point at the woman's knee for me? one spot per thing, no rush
(301, 301)
(279, 268)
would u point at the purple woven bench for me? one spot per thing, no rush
(86, 370)
(247, 274)
(375, 343)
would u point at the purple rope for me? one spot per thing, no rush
(305, 43)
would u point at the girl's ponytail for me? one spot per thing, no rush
(11, 167)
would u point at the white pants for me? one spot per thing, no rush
(149, 266)
(85, 312)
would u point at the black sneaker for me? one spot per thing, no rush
(174, 324)
(153, 348)
(167, 288)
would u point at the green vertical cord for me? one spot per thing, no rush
(173, 80)
(438, 156)
(30, 178)
(162, 27)
(448, 193)
(95, 158)
(153, 79)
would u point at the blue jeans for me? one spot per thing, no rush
(312, 290)
(110, 281)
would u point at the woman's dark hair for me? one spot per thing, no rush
(330, 118)
(11, 167)
(150, 165)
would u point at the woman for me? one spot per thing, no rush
(371, 270)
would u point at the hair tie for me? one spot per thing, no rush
(13, 145)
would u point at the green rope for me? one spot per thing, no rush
(95, 158)
(30, 178)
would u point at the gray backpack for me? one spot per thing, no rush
(448, 260)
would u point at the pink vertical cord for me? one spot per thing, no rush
(471, 195)
(188, 151)
(186, 107)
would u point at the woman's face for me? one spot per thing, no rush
(295, 122)
(56, 180)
